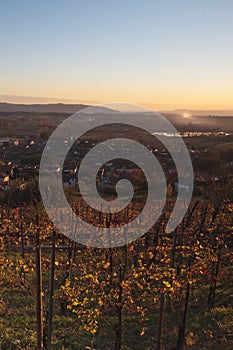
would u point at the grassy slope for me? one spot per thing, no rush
(211, 329)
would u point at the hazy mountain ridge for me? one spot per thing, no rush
(72, 108)
(54, 113)
(41, 108)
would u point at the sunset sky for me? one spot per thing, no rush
(163, 54)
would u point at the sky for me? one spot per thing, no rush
(164, 54)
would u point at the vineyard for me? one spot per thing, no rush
(163, 291)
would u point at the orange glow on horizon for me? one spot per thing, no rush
(153, 100)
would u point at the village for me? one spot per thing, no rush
(20, 162)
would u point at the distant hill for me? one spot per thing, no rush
(41, 108)
(183, 120)
(72, 108)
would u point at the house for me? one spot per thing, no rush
(4, 181)
(6, 168)
(4, 178)
(69, 183)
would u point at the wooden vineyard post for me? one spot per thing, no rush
(160, 321)
(51, 291)
(39, 305)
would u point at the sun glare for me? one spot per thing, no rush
(187, 114)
